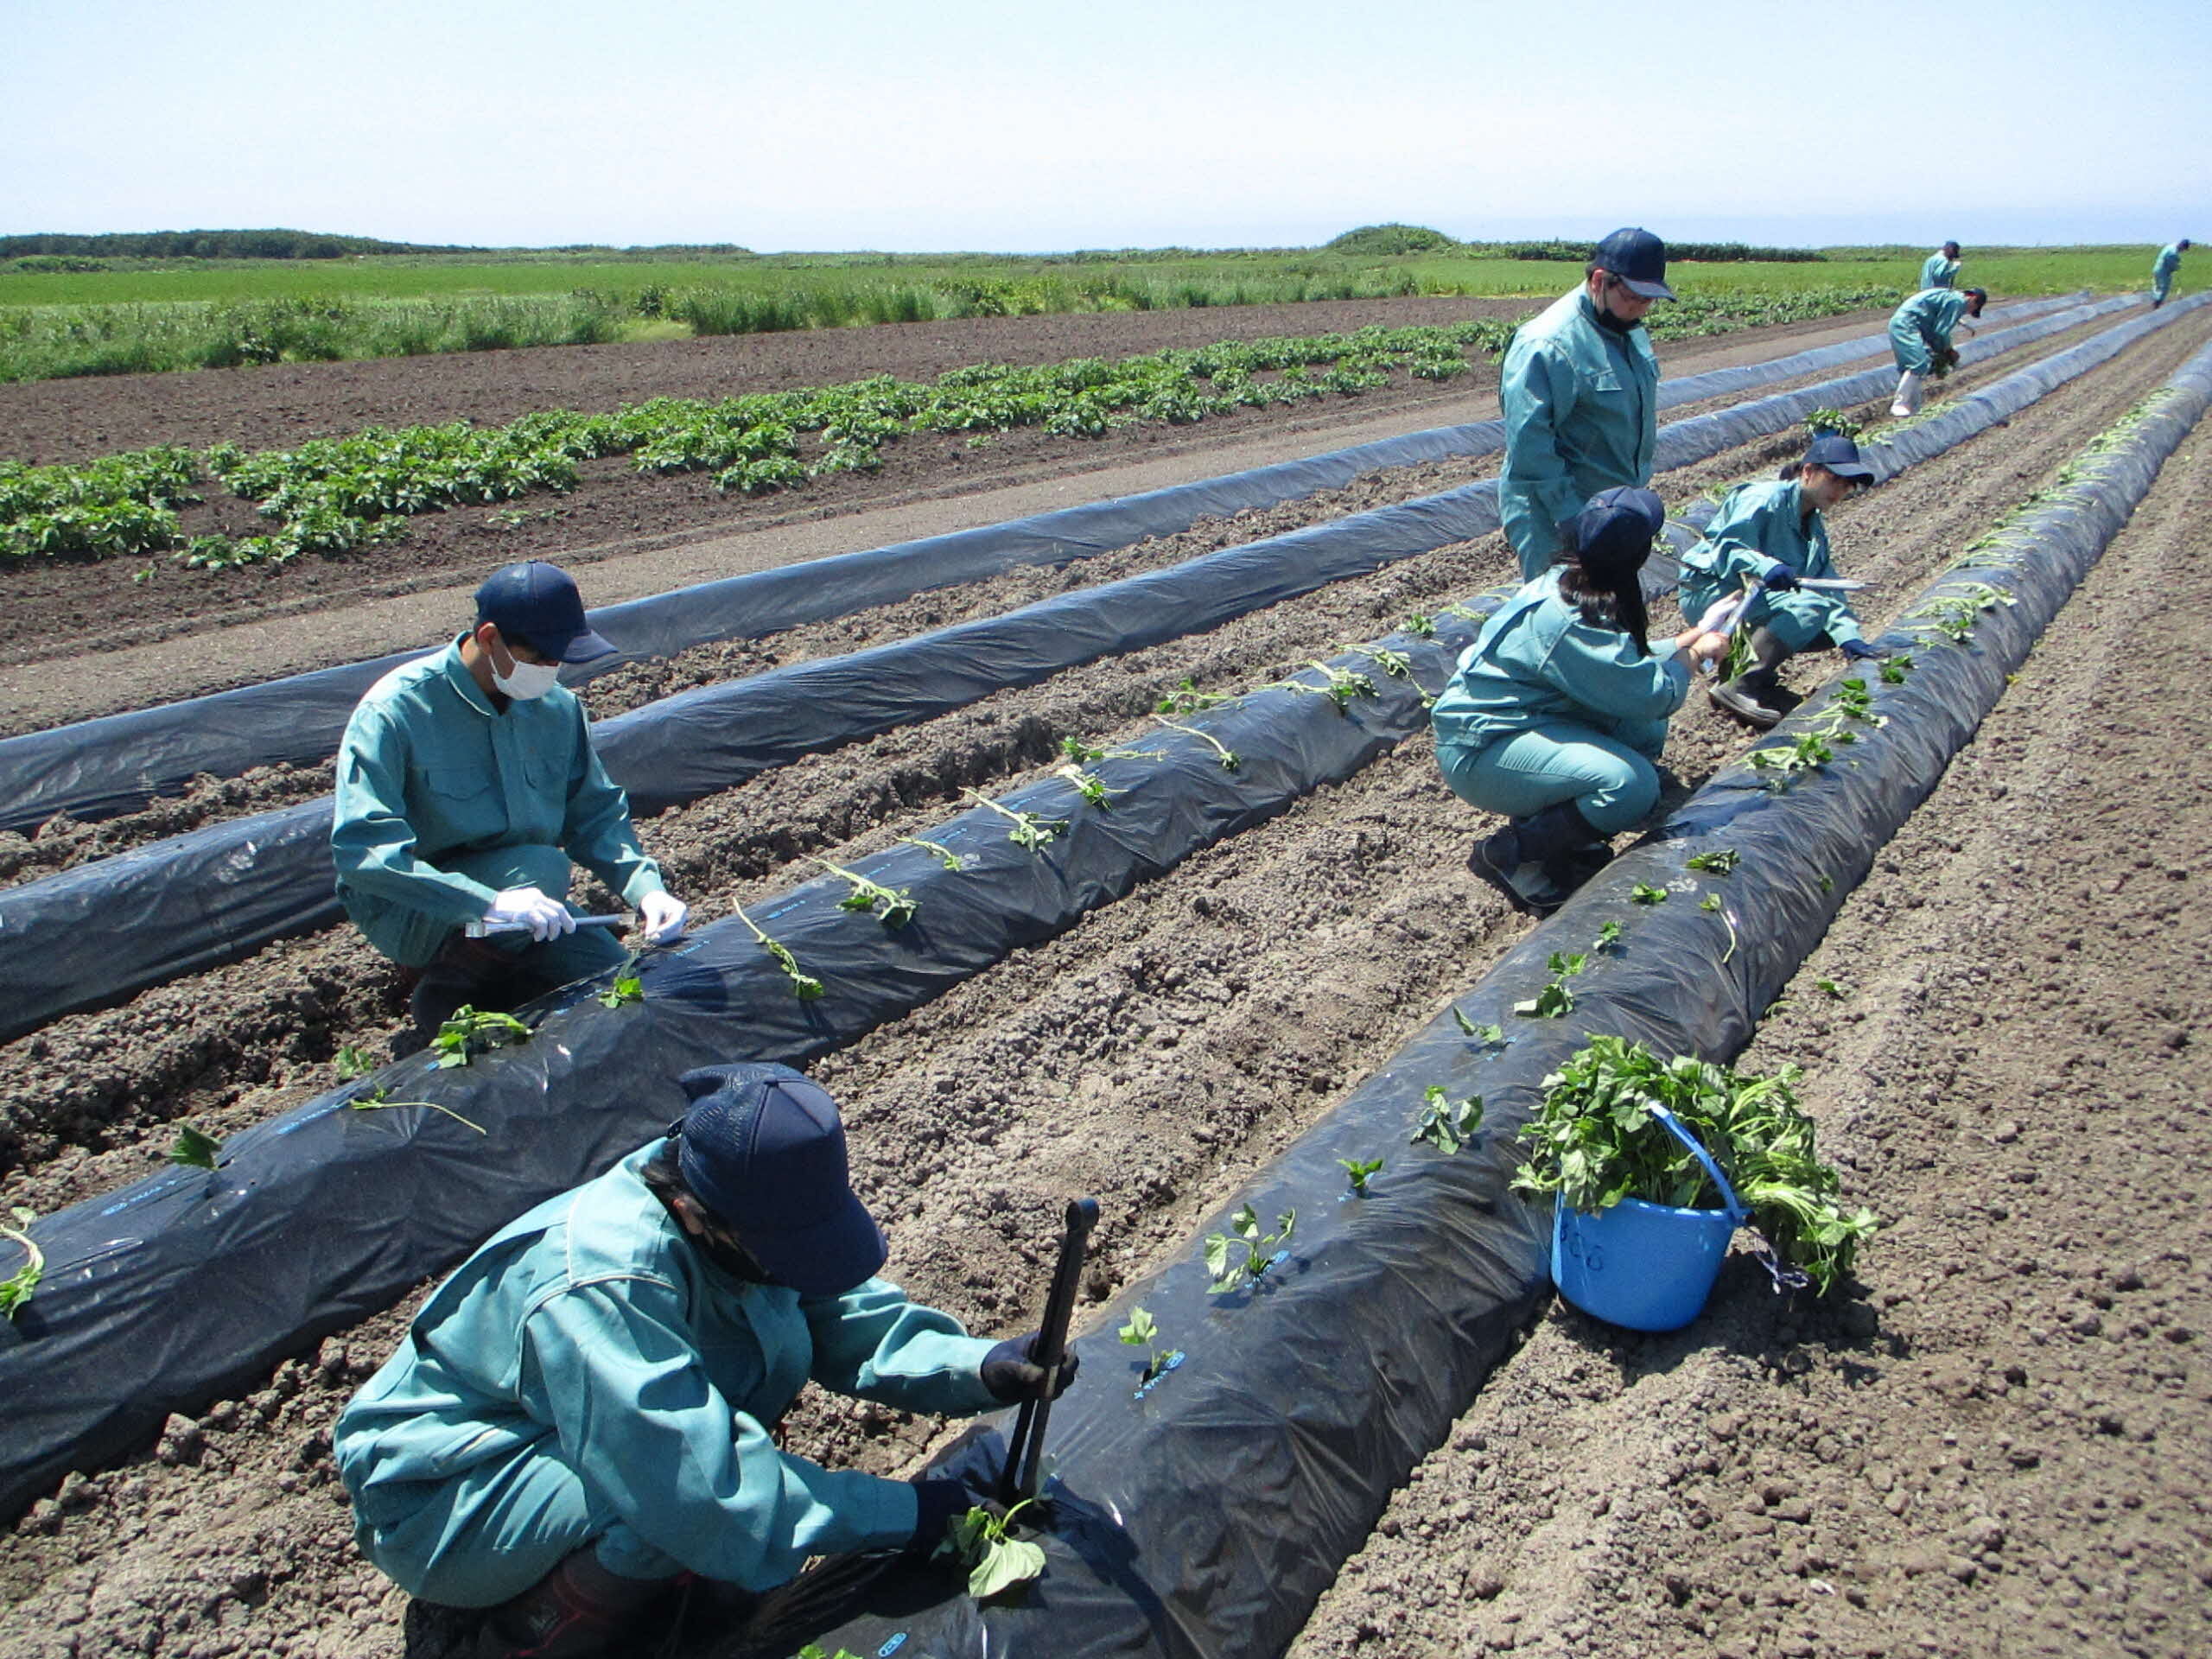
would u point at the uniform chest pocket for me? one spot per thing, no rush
(458, 790)
(1605, 383)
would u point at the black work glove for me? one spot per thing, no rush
(1011, 1375)
(1859, 651)
(1782, 579)
(937, 1504)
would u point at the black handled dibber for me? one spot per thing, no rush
(1018, 1480)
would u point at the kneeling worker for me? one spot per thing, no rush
(1773, 533)
(465, 783)
(587, 1408)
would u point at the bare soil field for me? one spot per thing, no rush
(1776, 1481)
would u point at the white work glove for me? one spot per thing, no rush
(546, 919)
(1720, 615)
(662, 915)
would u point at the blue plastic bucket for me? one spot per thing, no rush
(1648, 1266)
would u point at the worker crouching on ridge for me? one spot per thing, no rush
(586, 1410)
(1920, 338)
(1557, 711)
(1772, 533)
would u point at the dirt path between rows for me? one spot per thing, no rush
(81, 639)
(1155, 1054)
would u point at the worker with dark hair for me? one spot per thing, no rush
(1772, 533)
(1920, 337)
(1941, 269)
(1581, 392)
(2163, 269)
(588, 1408)
(1556, 712)
(467, 785)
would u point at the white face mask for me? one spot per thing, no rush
(527, 682)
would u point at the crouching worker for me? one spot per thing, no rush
(466, 784)
(1773, 533)
(1920, 339)
(1557, 711)
(587, 1408)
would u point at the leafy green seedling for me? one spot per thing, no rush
(1608, 936)
(628, 986)
(1644, 894)
(1834, 420)
(1228, 1268)
(1395, 664)
(995, 1559)
(1831, 987)
(17, 1289)
(893, 907)
(469, 1032)
(805, 986)
(1030, 830)
(1359, 1171)
(1090, 787)
(1086, 754)
(1554, 1001)
(380, 1100)
(954, 861)
(1827, 882)
(1712, 902)
(1141, 1333)
(1339, 685)
(194, 1149)
(1895, 668)
(1488, 1036)
(1446, 1123)
(1188, 699)
(1228, 758)
(1421, 626)
(350, 1063)
(1720, 862)
(815, 1649)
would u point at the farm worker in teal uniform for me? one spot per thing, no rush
(2163, 269)
(1773, 533)
(1581, 392)
(467, 783)
(1556, 712)
(587, 1408)
(1941, 269)
(1920, 336)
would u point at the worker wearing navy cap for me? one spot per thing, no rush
(1941, 269)
(467, 783)
(587, 1408)
(1772, 533)
(1581, 392)
(1556, 712)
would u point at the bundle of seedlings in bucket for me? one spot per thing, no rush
(1600, 1139)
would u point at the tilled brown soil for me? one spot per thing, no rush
(1999, 1446)
(1154, 1055)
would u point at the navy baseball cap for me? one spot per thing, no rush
(1840, 455)
(1613, 532)
(763, 1148)
(538, 603)
(1639, 259)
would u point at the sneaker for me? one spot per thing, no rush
(1731, 697)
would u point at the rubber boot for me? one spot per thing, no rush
(1538, 863)
(1909, 395)
(1750, 697)
(578, 1611)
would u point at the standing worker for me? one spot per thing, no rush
(1773, 533)
(1581, 392)
(1920, 336)
(1941, 269)
(2163, 269)
(588, 1408)
(465, 783)
(1556, 712)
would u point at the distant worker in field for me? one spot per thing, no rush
(467, 783)
(1581, 392)
(588, 1410)
(1940, 268)
(2163, 269)
(1557, 711)
(1920, 336)
(1773, 533)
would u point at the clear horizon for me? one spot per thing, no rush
(983, 125)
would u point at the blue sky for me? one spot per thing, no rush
(986, 124)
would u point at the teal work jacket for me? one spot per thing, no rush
(1537, 662)
(590, 1330)
(1936, 272)
(1581, 407)
(1925, 321)
(428, 769)
(2168, 262)
(1758, 526)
